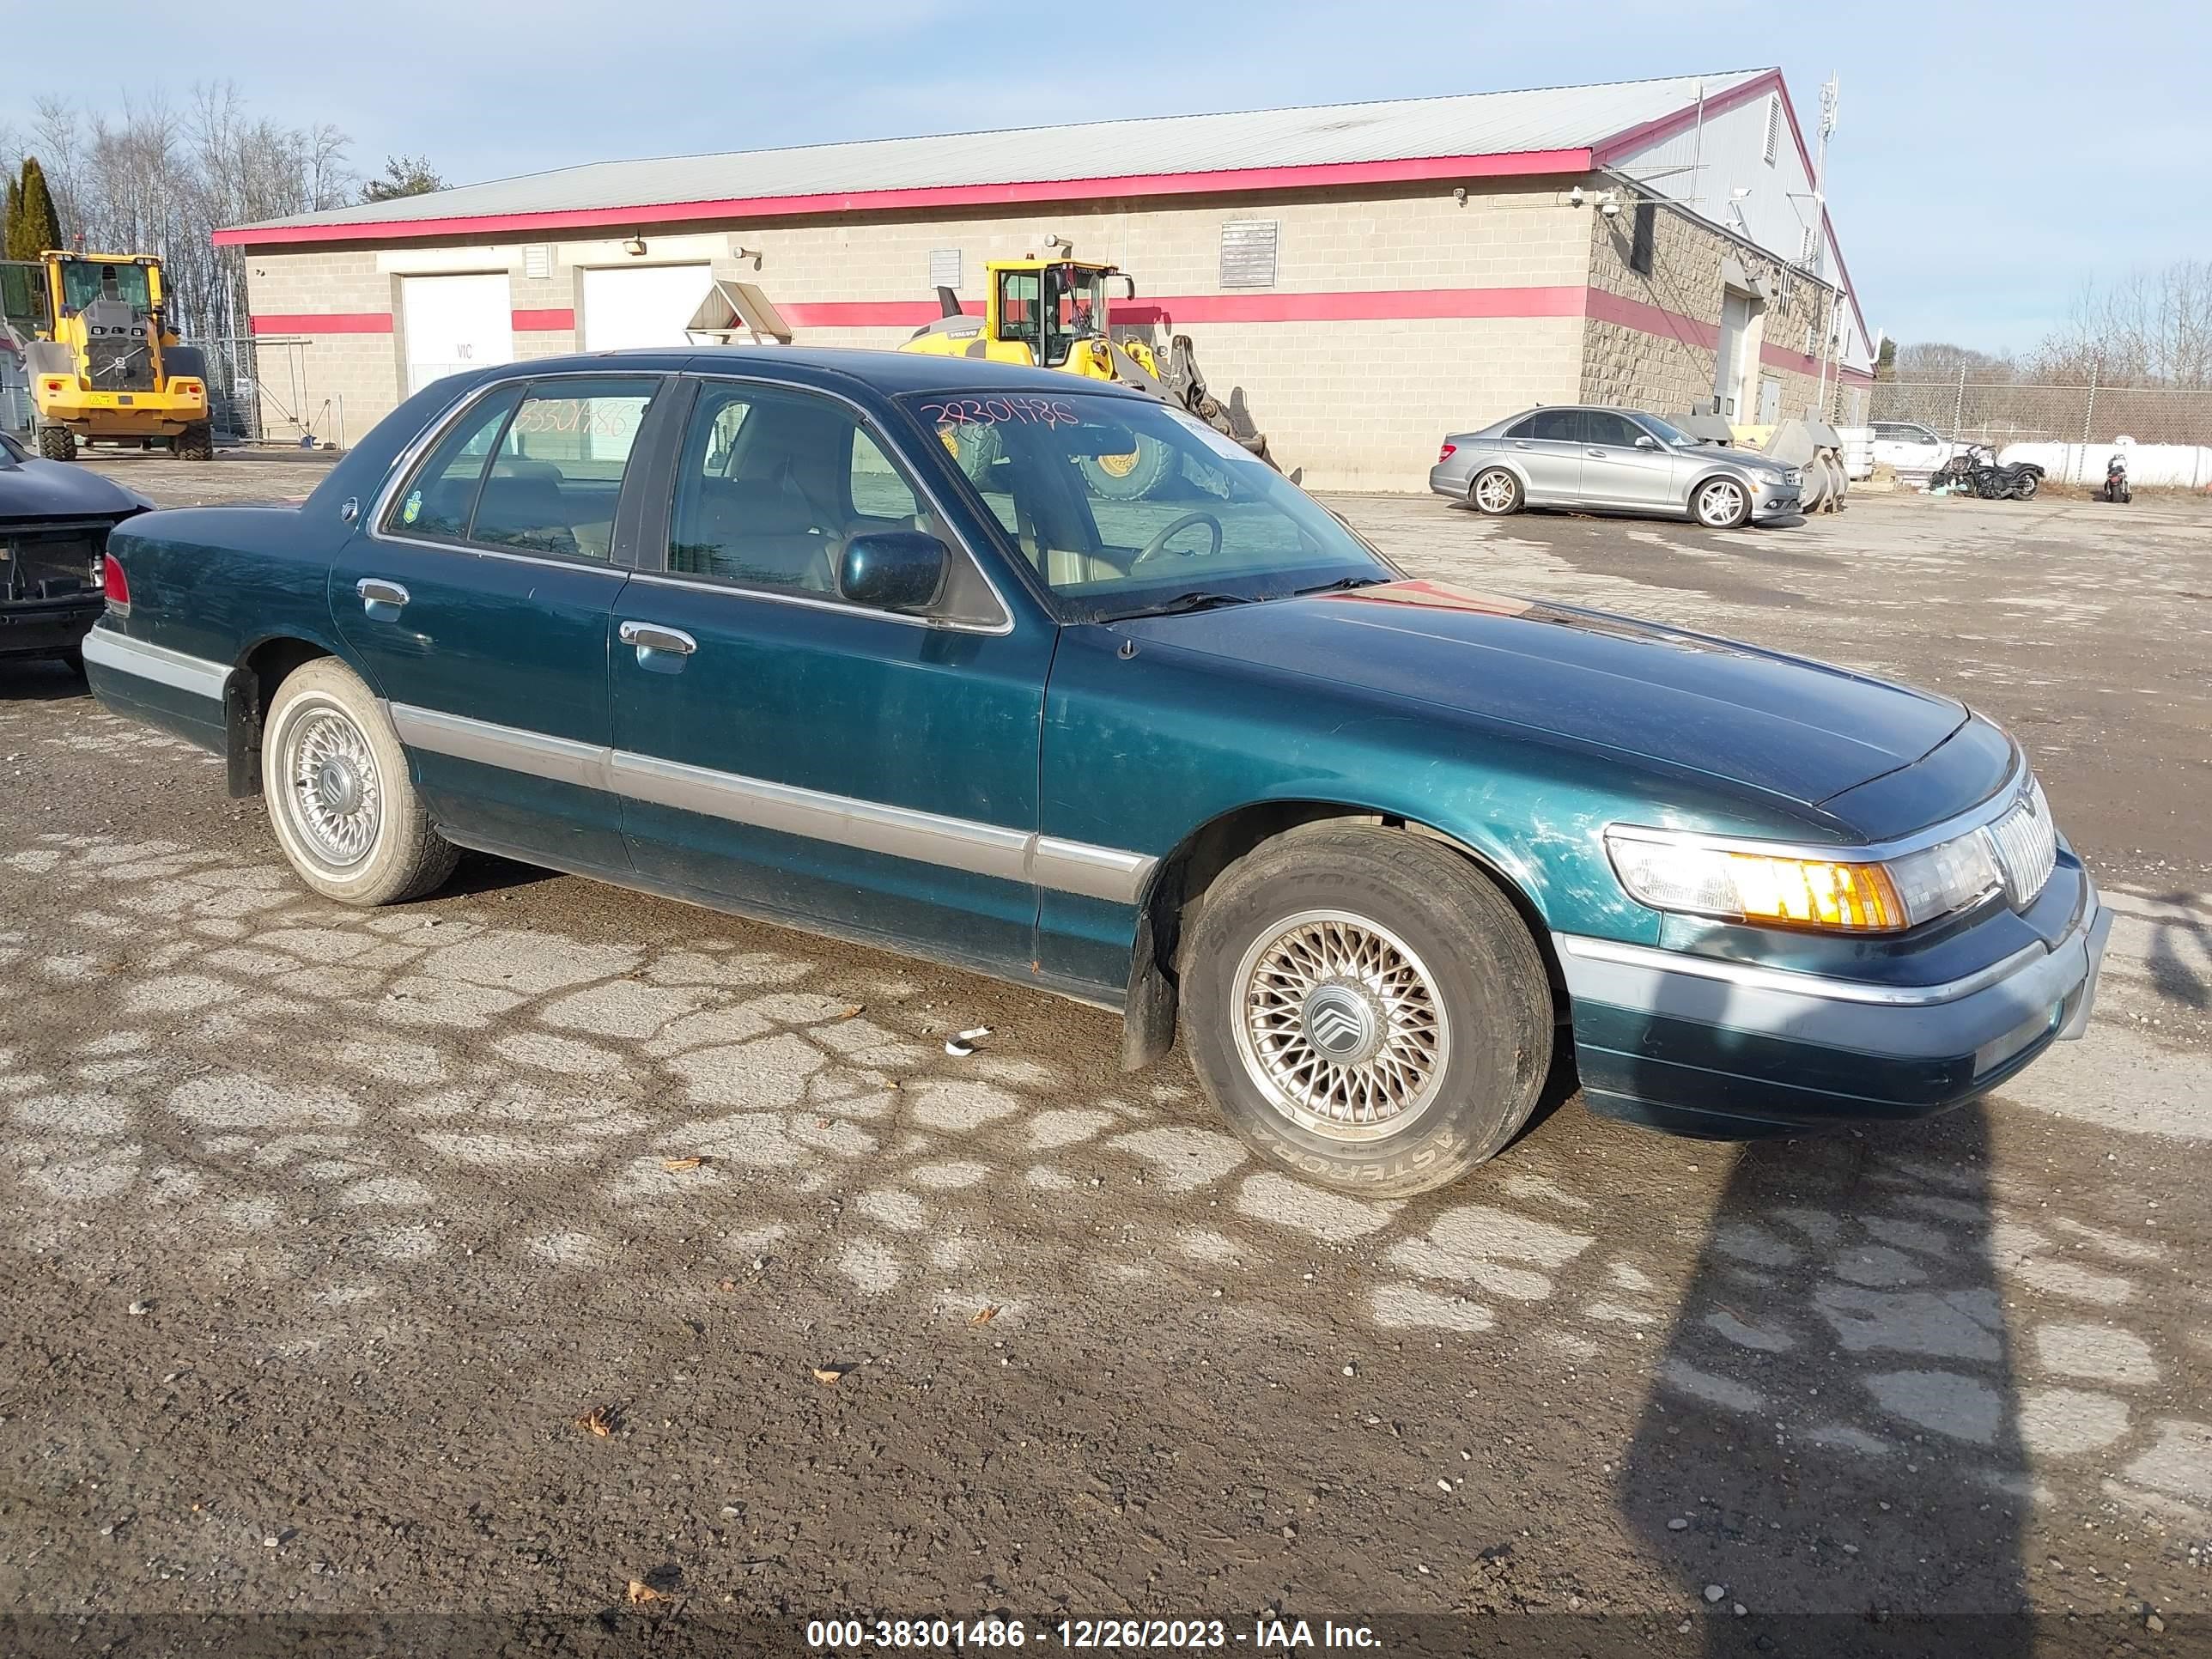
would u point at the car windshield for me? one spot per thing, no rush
(1126, 508)
(1665, 434)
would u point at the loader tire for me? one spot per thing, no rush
(1129, 477)
(56, 443)
(196, 442)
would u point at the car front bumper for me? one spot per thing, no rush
(1696, 1045)
(46, 628)
(1776, 503)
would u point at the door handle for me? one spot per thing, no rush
(1599, 455)
(1523, 443)
(652, 636)
(374, 592)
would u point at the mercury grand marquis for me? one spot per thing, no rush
(852, 641)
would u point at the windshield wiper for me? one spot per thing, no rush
(1183, 604)
(1340, 584)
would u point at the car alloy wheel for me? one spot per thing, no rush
(1497, 491)
(336, 799)
(1343, 1030)
(1722, 504)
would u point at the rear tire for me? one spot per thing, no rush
(1495, 493)
(196, 442)
(341, 801)
(1721, 504)
(56, 443)
(1399, 957)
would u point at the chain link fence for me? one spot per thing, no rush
(1998, 414)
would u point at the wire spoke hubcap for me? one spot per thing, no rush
(1342, 1027)
(337, 802)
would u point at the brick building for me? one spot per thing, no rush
(1369, 275)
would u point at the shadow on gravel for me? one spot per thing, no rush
(36, 680)
(1830, 1459)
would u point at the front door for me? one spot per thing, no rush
(789, 753)
(1615, 473)
(479, 605)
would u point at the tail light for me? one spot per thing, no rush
(1446, 453)
(115, 585)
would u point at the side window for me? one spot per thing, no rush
(1559, 426)
(558, 471)
(441, 494)
(1523, 429)
(1600, 428)
(771, 483)
(875, 488)
(1021, 297)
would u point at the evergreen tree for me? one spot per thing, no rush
(9, 234)
(36, 226)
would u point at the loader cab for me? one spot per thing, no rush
(1048, 307)
(114, 282)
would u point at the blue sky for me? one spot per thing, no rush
(1990, 159)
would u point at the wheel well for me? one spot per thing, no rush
(1180, 886)
(245, 703)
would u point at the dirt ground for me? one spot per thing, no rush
(326, 1234)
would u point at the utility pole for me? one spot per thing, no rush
(1830, 90)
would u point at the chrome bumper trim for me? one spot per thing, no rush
(122, 655)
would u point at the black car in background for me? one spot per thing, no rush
(54, 520)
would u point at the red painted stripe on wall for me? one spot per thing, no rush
(1104, 187)
(1607, 307)
(1368, 305)
(323, 322)
(526, 322)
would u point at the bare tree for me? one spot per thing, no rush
(153, 178)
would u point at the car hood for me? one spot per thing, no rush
(59, 489)
(1750, 459)
(1799, 730)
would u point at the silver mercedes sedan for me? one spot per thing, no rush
(1611, 460)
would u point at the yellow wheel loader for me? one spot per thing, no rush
(101, 361)
(1052, 313)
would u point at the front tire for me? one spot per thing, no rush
(1495, 493)
(1132, 477)
(1366, 1008)
(340, 799)
(1721, 504)
(196, 442)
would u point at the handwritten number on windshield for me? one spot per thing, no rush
(1002, 411)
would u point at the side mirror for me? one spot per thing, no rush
(894, 570)
(1647, 441)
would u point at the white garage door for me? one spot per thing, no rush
(454, 322)
(641, 305)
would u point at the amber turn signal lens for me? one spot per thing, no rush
(1858, 898)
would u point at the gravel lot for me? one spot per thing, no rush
(325, 1232)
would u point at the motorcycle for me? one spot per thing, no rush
(1976, 467)
(2116, 480)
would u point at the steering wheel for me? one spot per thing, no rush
(1158, 542)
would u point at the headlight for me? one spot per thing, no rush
(1732, 881)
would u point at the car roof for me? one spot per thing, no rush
(889, 373)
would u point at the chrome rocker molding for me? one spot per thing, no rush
(124, 655)
(982, 849)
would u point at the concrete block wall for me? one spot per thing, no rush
(1664, 361)
(1357, 401)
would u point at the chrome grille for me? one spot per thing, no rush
(2025, 845)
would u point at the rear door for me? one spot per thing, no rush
(478, 598)
(782, 749)
(1548, 445)
(1616, 473)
